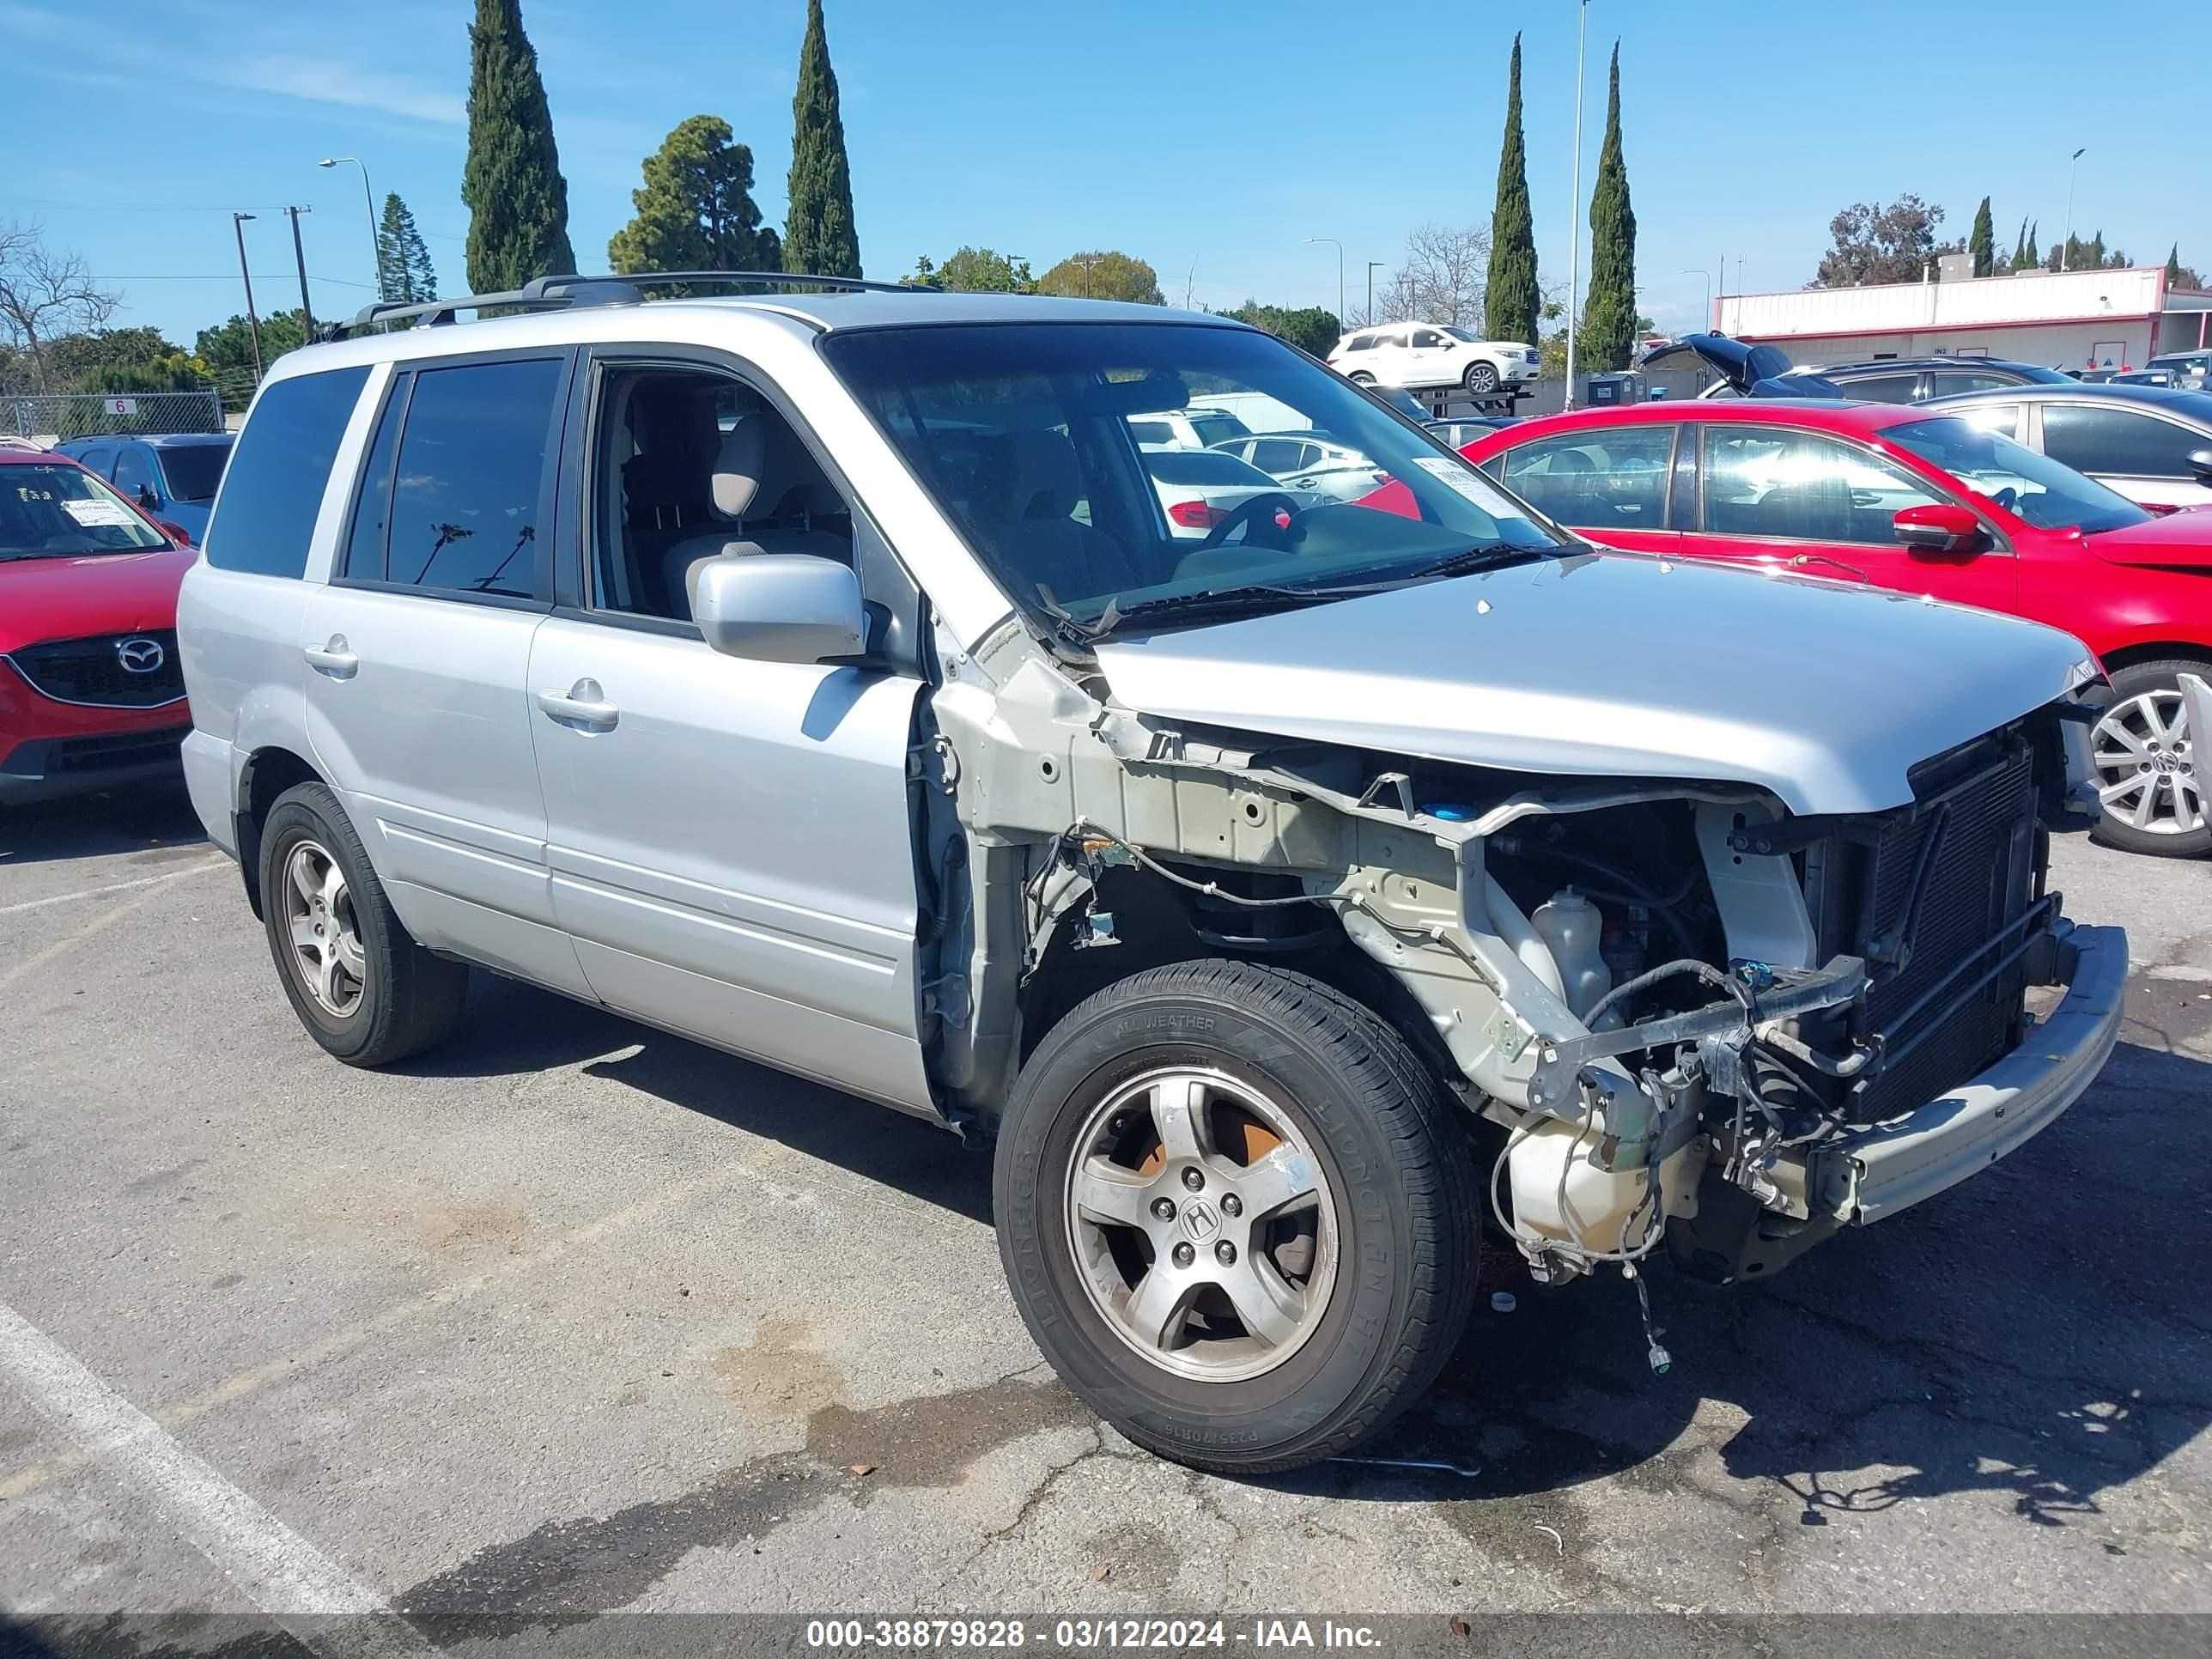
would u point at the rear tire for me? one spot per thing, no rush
(363, 988)
(2143, 748)
(1359, 1283)
(1360, 377)
(1481, 377)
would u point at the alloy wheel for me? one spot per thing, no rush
(1203, 1228)
(2145, 775)
(326, 953)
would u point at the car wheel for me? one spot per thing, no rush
(1234, 1215)
(2146, 781)
(363, 988)
(1481, 377)
(1360, 377)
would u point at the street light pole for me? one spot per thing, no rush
(1339, 273)
(252, 323)
(1373, 266)
(1575, 207)
(1708, 275)
(299, 258)
(2066, 248)
(375, 241)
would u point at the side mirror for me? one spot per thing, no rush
(2200, 463)
(1939, 527)
(147, 498)
(777, 607)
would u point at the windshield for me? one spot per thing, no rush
(1460, 334)
(57, 510)
(1021, 432)
(1204, 466)
(2019, 479)
(194, 470)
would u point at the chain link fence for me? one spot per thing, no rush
(54, 416)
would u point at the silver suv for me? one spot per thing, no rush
(817, 675)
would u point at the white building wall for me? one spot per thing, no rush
(1902, 307)
(2060, 345)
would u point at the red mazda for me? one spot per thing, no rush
(1929, 503)
(91, 695)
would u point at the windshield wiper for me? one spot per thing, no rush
(1486, 556)
(1228, 601)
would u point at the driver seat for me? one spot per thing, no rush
(1074, 560)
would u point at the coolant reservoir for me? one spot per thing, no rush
(1592, 1207)
(1570, 925)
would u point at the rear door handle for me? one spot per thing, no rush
(335, 659)
(582, 706)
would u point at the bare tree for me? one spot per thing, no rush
(44, 293)
(1440, 279)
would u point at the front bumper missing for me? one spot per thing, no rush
(1968, 1128)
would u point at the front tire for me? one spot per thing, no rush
(1234, 1215)
(364, 989)
(1481, 377)
(2143, 751)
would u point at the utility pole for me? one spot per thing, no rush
(2066, 247)
(1339, 273)
(299, 258)
(1575, 207)
(1372, 266)
(252, 323)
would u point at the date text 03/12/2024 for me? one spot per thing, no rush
(1087, 1635)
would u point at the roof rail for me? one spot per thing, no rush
(550, 293)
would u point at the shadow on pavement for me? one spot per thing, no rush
(2039, 1332)
(95, 826)
(514, 1028)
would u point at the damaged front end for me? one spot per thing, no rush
(1694, 1016)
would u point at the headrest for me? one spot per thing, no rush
(738, 467)
(1047, 480)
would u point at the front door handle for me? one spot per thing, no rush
(582, 706)
(335, 659)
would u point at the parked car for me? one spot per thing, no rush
(1431, 354)
(91, 695)
(1461, 431)
(2151, 444)
(171, 476)
(867, 719)
(1203, 491)
(1185, 428)
(1311, 461)
(2185, 371)
(1924, 502)
(1763, 371)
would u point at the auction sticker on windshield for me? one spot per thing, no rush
(1453, 476)
(91, 513)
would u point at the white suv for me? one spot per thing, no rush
(1423, 355)
(820, 676)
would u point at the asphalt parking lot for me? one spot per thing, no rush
(573, 1316)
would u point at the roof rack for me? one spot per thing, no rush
(556, 293)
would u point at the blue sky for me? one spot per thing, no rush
(1210, 139)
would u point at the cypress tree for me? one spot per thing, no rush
(1982, 242)
(2173, 268)
(518, 201)
(2020, 249)
(1509, 300)
(2033, 258)
(403, 271)
(1608, 326)
(818, 233)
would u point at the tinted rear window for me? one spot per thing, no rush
(464, 507)
(194, 470)
(281, 463)
(1200, 466)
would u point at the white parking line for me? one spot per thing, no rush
(313, 1597)
(108, 918)
(111, 887)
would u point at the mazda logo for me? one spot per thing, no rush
(141, 656)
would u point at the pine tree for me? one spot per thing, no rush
(818, 233)
(1608, 324)
(518, 201)
(1510, 300)
(695, 211)
(1982, 242)
(403, 271)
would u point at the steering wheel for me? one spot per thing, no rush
(1261, 510)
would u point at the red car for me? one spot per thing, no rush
(1925, 502)
(91, 694)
